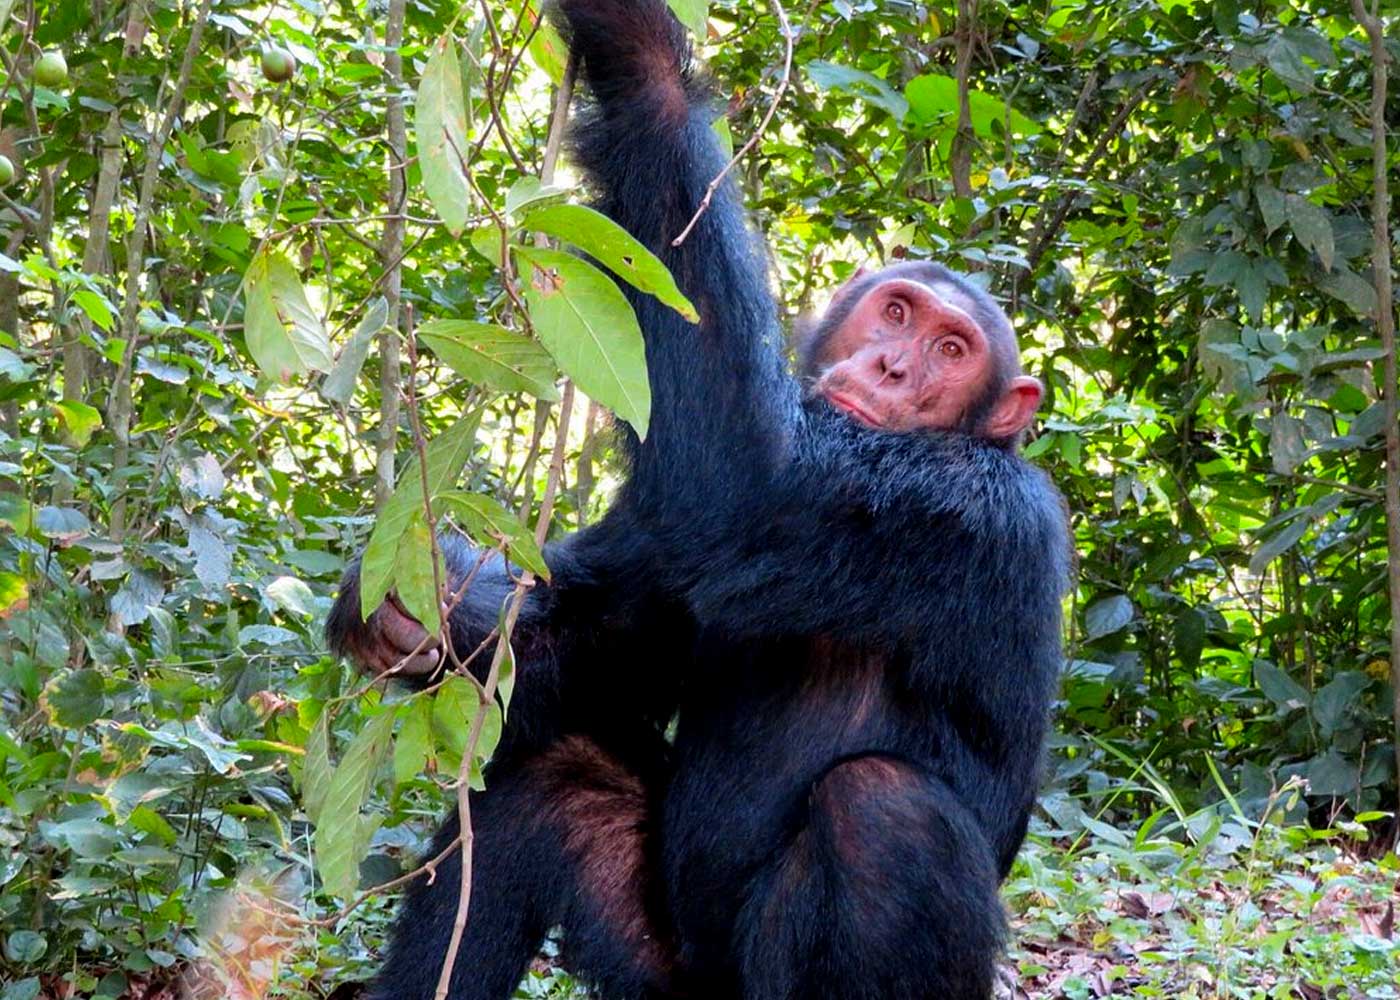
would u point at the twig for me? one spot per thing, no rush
(486, 693)
(758, 133)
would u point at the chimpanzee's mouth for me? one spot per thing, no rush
(844, 402)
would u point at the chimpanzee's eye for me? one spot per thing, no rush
(894, 312)
(950, 347)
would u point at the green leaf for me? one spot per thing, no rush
(530, 191)
(1312, 227)
(1271, 206)
(1352, 289)
(414, 577)
(339, 385)
(413, 743)
(490, 524)
(857, 82)
(447, 453)
(79, 419)
(505, 678)
(547, 50)
(1112, 614)
(95, 306)
(694, 14)
(1336, 702)
(440, 128)
(454, 705)
(584, 320)
(492, 356)
(13, 590)
(340, 844)
(1285, 59)
(25, 947)
(1332, 774)
(75, 698)
(613, 247)
(1277, 544)
(1286, 445)
(316, 771)
(283, 333)
(933, 100)
(1286, 693)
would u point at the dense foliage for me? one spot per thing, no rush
(229, 223)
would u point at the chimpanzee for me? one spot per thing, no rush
(848, 584)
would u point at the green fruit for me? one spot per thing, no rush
(7, 171)
(51, 70)
(278, 64)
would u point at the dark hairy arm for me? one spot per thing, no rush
(722, 401)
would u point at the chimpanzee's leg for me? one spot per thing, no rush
(887, 890)
(561, 838)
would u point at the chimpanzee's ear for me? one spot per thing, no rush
(1015, 410)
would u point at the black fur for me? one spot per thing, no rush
(864, 627)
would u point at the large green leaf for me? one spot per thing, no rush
(859, 83)
(492, 356)
(585, 321)
(341, 842)
(284, 334)
(447, 453)
(1312, 226)
(933, 99)
(490, 524)
(414, 578)
(440, 126)
(613, 247)
(693, 14)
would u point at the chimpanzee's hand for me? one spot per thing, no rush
(390, 637)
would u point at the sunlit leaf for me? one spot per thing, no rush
(283, 333)
(492, 356)
(584, 320)
(79, 419)
(440, 125)
(413, 744)
(490, 524)
(933, 99)
(415, 580)
(613, 247)
(693, 14)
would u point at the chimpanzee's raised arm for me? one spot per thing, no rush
(721, 397)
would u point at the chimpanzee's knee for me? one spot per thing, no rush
(888, 890)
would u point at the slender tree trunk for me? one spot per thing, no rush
(119, 411)
(390, 258)
(96, 253)
(1385, 326)
(960, 160)
(77, 359)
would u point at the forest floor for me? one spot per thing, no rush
(1285, 915)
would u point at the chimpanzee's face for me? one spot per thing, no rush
(910, 356)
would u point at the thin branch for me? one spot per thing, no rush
(487, 692)
(787, 33)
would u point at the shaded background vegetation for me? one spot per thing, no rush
(1175, 199)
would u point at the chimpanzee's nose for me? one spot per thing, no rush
(892, 365)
